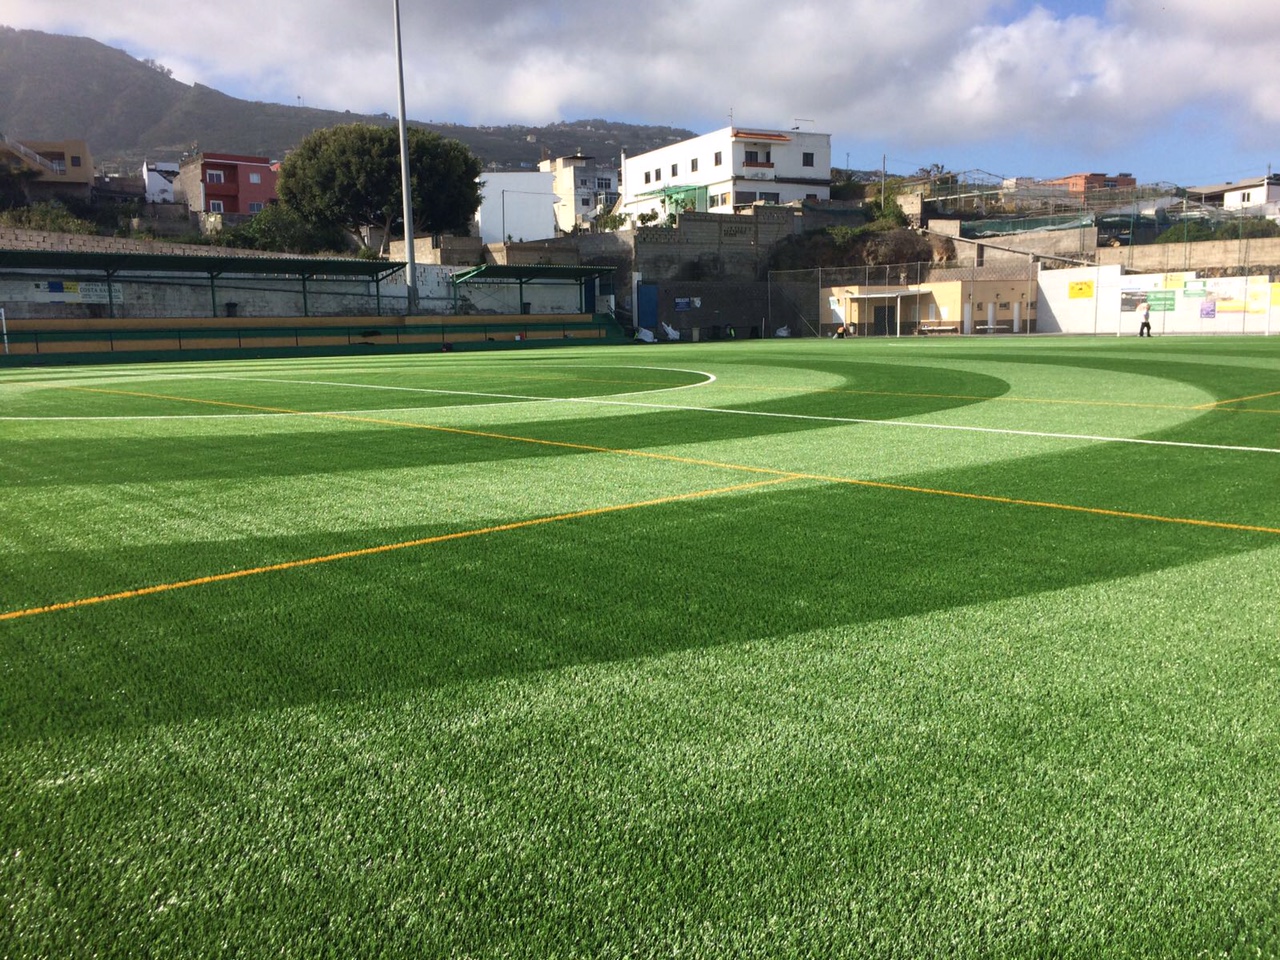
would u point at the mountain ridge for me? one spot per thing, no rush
(57, 87)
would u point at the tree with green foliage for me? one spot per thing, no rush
(608, 222)
(282, 229)
(349, 176)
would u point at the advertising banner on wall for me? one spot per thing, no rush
(72, 291)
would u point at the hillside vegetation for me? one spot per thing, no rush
(56, 87)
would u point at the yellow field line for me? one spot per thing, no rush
(1256, 396)
(738, 467)
(776, 477)
(460, 431)
(383, 548)
(1046, 504)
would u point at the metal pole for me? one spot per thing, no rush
(4, 326)
(410, 273)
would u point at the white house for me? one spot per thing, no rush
(158, 178)
(727, 170)
(519, 205)
(585, 187)
(1249, 194)
(1243, 195)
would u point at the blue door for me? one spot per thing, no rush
(647, 306)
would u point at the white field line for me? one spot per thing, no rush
(710, 379)
(599, 401)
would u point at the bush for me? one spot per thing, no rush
(49, 215)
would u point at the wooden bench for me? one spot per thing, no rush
(939, 328)
(993, 328)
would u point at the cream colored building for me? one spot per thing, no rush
(64, 167)
(964, 306)
(585, 188)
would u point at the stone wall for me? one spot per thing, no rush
(709, 246)
(1207, 258)
(1074, 245)
(15, 239)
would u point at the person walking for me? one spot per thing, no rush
(1144, 328)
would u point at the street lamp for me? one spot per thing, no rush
(410, 275)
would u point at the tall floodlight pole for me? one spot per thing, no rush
(410, 274)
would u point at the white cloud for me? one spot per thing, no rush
(938, 74)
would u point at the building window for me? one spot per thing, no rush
(582, 182)
(657, 174)
(719, 158)
(604, 183)
(675, 169)
(744, 196)
(75, 161)
(213, 176)
(647, 176)
(255, 178)
(215, 206)
(806, 159)
(1244, 197)
(586, 201)
(693, 165)
(255, 206)
(811, 196)
(770, 197)
(753, 156)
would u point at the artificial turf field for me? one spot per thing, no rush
(922, 648)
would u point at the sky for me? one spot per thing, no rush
(1179, 91)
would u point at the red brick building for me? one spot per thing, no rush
(1078, 184)
(226, 183)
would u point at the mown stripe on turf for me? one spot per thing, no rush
(384, 548)
(773, 471)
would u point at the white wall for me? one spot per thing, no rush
(1080, 300)
(436, 293)
(1103, 301)
(159, 188)
(518, 205)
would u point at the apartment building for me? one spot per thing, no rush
(728, 170)
(225, 183)
(1078, 184)
(62, 168)
(585, 186)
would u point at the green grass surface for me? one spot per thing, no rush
(781, 649)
